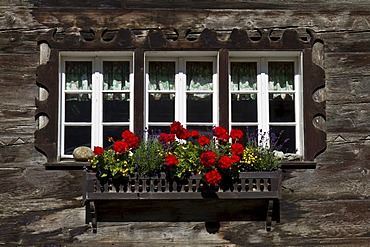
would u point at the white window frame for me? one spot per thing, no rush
(263, 123)
(97, 59)
(180, 59)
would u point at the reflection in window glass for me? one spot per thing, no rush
(199, 76)
(154, 131)
(244, 107)
(162, 75)
(116, 75)
(243, 76)
(78, 108)
(161, 107)
(281, 76)
(76, 136)
(116, 107)
(281, 107)
(78, 75)
(199, 108)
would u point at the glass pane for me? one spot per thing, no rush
(116, 107)
(112, 133)
(250, 133)
(243, 76)
(162, 75)
(78, 108)
(285, 138)
(199, 108)
(78, 75)
(199, 76)
(161, 107)
(76, 136)
(155, 131)
(281, 107)
(116, 75)
(281, 76)
(244, 107)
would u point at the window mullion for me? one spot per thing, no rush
(263, 118)
(180, 98)
(96, 118)
(299, 104)
(62, 111)
(264, 98)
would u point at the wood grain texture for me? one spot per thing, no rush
(325, 206)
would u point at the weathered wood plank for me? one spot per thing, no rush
(198, 19)
(44, 207)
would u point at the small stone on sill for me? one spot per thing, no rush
(82, 153)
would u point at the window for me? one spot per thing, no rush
(96, 99)
(182, 89)
(110, 80)
(266, 95)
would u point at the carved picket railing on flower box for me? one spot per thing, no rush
(255, 195)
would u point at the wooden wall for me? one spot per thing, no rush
(32, 197)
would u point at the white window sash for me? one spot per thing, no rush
(96, 92)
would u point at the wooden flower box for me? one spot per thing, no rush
(254, 196)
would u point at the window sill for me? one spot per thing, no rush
(67, 164)
(290, 165)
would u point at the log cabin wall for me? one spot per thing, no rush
(34, 196)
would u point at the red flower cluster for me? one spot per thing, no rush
(203, 140)
(225, 162)
(237, 148)
(130, 138)
(208, 158)
(129, 142)
(194, 134)
(236, 134)
(98, 150)
(171, 160)
(220, 133)
(121, 147)
(235, 159)
(213, 177)
(166, 138)
(180, 132)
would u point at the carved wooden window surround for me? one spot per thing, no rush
(46, 138)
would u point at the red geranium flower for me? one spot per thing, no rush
(219, 131)
(164, 137)
(98, 150)
(203, 140)
(237, 149)
(120, 147)
(194, 134)
(127, 134)
(208, 158)
(130, 138)
(224, 162)
(223, 137)
(213, 177)
(171, 160)
(183, 133)
(236, 134)
(235, 159)
(175, 126)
